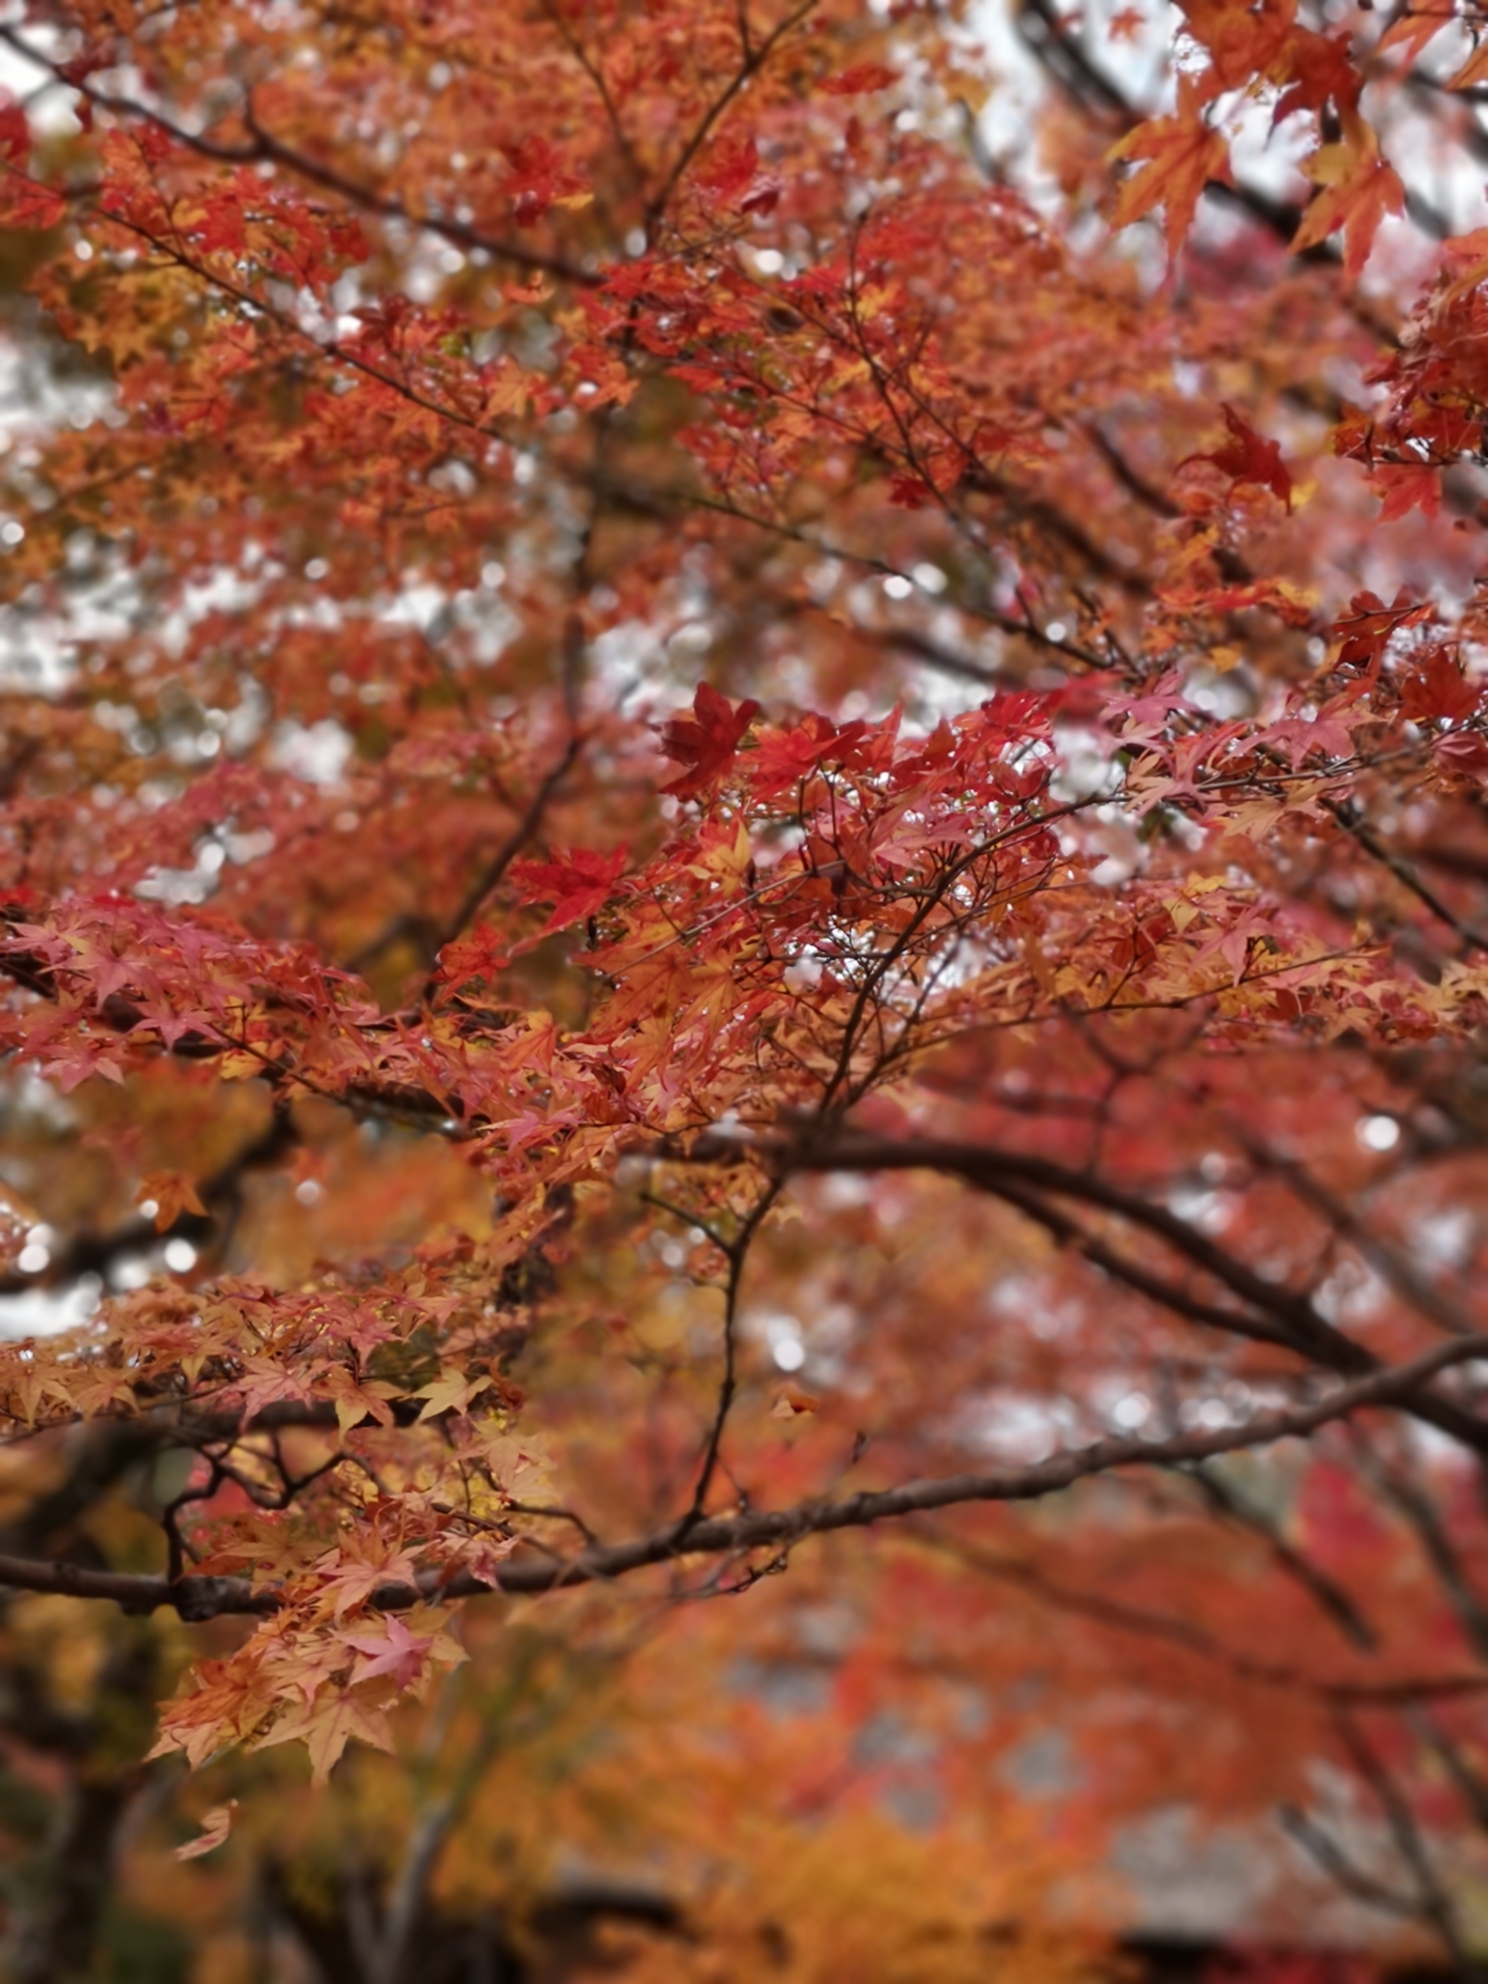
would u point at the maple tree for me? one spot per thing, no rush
(738, 838)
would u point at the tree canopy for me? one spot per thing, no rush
(742, 832)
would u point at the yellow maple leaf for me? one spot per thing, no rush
(451, 1391)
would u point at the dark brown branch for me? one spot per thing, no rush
(198, 1598)
(56, 1928)
(1321, 1847)
(1326, 1593)
(1180, 1633)
(1410, 1500)
(595, 72)
(1405, 874)
(1434, 1904)
(96, 1253)
(1356, 1628)
(1301, 1326)
(1393, 1268)
(1168, 1294)
(737, 1252)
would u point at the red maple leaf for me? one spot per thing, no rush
(1438, 689)
(707, 741)
(538, 179)
(15, 131)
(862, 79)
(732, 179)
(24, 202)
(577, 884)
(1321, 72)
(1463, 753)
(1248, 457)
(1406, 486)
(1365, 633)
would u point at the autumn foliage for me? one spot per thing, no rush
(742, 844)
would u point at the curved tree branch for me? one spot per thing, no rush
(205, 1597)
(1284, 1314)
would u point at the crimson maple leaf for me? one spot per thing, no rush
(1248, 457)
(1438, 688)
(1406, 486)
(732, 179)
(707, 741)
(577, 884)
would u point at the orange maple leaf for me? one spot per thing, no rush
(353, 1580)
(1413, 29)
(1181, 155)
(451, 1391)
(794, 1405)
(170, 1193)
(1473, 70)
(1356, 189)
